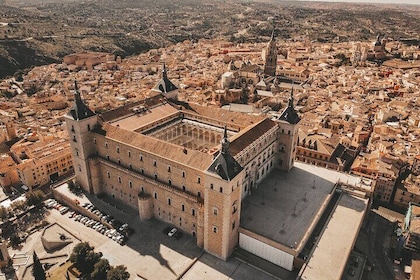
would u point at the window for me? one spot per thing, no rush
(215, 211)
(170, 183)
(154, 163)
(211, 186)
(119, 179)
(183, 174)
(233, 225)
(183, 207)
(183, 188)
(106, 145)
(107, 157)
(199, 194)
(155, 195)
(141, 158)
(193, 212)
(198, 180)
(108, 174)
(80, 168)
(221, 189)
(169, 201)
(129, 153)
(156, 177)
(118, 150)
(88, 127)
(130, 184)
(169, 169)
(234, 208)
(215, 229)
(142, 171)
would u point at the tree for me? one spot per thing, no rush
(35, 197)
(14, 240)
(37, 270)
(84, 258)
(118, 273)
(4, 212)
(100, 270)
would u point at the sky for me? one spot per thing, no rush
(417, 2)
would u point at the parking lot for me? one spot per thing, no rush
(150, 253)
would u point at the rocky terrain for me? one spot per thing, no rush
(34, 32)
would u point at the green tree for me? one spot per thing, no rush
(100, 270)
(4, 212)
(35, 197)
(19, 205)
(118, 273)
(37, 270)
(84, 258)
(14, 240)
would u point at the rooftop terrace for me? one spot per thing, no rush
(287, 205)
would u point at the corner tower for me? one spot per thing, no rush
(222, 201)
(287, 135)
(165, 86)
(270, 64)
(80, 120)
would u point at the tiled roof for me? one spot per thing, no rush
(197, 159)
(241, 140)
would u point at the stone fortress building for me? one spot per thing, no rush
(185, 164)
(207, 170)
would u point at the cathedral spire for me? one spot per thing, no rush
(270, 64)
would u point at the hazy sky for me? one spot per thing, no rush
(417, 2)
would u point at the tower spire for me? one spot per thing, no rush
(291, 98)
(225, 142)
(164, 73)
(79, 110)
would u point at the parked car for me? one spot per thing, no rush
(172, 231)
(63, 210)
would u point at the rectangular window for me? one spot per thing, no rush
(198, 180)
(155, 195)
(154, 163)
(118, 150)
(109, 175)
(169, 169)
(183, 207)
(183, 174)
(211, 186)
(215, 211)
(215, 230)
(129, 153)
(193, 212)
(141, 158)
(221, 189)
(169, 201)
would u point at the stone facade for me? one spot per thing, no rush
(166, 161)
